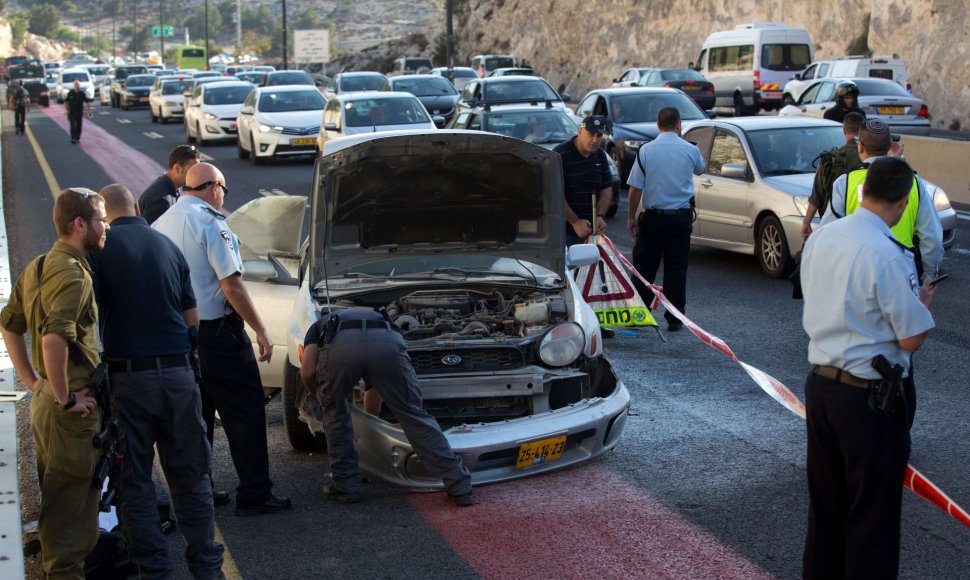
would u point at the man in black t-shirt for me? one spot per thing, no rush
(75, 104)
(585, 173)
(162, 193)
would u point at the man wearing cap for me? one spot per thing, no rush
(162, 193)
(660, 214)
(585, 174)
(919, 223)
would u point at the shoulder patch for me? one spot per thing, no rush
(225, 235)
(207, 209)
(914, 284)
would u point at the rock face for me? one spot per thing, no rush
(33, 45)
(584, 44)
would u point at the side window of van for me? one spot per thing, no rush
(731, 58)
(823, 70)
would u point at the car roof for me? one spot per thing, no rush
(512, 79)
(760, 122)
(286, 88)
(143, 76)
(281, 72)
(362, 73)
(633, 91)
(540, 107)
(229, 83)
(412, 77)
(372, 95)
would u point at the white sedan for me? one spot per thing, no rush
(165, 98)
(369, 112)
(213, 109)
(279, 121)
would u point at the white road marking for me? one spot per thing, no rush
(153, 135)
(124, 121)
(963, 215)
(960, 251)
(272, 192)
(104, 112)
(205, 157)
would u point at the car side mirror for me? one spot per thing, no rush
(734, 170)
(330, 126)
(580, 255)
(797, 76)
(711, 113)
(566, 98)
(439, 121)
(616, 80)
(691, 65)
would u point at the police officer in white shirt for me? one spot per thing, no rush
(862, 299)
(230, 377)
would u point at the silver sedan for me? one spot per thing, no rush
(754, 193)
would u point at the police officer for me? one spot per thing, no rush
(20, 103)
(846, 101)
(230, 377)
(358, 343)
(53, 300)
(75, 104)
(153, 386)
(919, 223)
(861, 300)
(162, 193)
(660, 217)
(585, 173)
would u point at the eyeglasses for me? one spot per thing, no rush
(207, 184)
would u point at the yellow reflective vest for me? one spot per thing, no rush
(905, 230)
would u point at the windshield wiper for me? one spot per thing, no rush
(785, 172)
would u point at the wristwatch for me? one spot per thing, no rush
(71, 401)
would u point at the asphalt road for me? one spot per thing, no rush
(707, 481)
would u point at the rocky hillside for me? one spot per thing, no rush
(33, 45)
(584, 44)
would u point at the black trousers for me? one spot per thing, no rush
(663, 238)
(856, 462)
(20, 119)
(76, 121)
(231, 385)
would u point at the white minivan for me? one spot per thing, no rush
(880, 67)
(750, 65)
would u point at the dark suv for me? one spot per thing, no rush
(411, 65)
(33, 76)
(118, 85)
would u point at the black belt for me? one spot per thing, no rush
(134, 365)
(681, 211)
(360, 324)
(840, 376)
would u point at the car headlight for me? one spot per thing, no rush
(212, 117)
(562, 344)
(635, 145)
(801, 204)
(264, 128)
(940, 200)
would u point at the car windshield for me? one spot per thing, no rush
(286, 101)
(681, 74)
(71, 77)
(794, 150)
(140, 81)
(461, 73)
(389, 111)
(426, 87)
(532, 90)
(294, 78)
(785, 57)
(880, 88)
(454, 267)
(494, 62)
(175, 87)
(252, 77)
(643, 108)
(98, 70)
(27, 71)
(361, 83)
(225, 95)
(545, 126)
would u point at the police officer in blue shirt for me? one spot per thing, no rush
(153, 386)
(660, 216)
(862, 300)
(230, 377)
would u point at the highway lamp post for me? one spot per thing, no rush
(206, 34)
(161, 30)
(285, 51)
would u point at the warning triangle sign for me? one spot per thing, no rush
(610, 292)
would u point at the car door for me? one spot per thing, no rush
(246, 115)
(270, 232)
(702, 137)
(822, 100)
(585, 108)
(723, 202)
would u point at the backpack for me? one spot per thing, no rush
(832, 164)
(20, 97)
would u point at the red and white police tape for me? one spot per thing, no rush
(914, 480)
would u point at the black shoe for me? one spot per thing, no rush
(462, 499)
(220, 498)
(271, 506)
(675, 326)
(331, 491)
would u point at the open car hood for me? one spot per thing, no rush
(427, 193)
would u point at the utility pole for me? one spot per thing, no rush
(161, 30)
(134, 26)
(206, 34)
(451, 43)
(285, 51)
(238, 26)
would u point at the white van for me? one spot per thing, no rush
(880, 67)
(750, 65)
(486, 63)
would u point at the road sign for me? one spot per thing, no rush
(311, 45)
(163, 31)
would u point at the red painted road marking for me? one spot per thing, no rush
(122, 163)
(584, 522)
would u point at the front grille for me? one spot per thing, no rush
(307, 131)
(471, 360)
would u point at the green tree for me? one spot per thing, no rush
(196, 22)
(142, 41)
(43, 20)
(18, 27)
(260, 19)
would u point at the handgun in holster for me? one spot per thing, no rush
(194, 354)
(110, 440)
(883, 395)
(330, 329)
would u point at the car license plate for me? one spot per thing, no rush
(772, 94)
(143, 99)
(304, 141)
(689, 88)
(891, 110)
(541, 451)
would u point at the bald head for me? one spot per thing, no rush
(203, 180)
(118, 201)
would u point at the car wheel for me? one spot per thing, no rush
(164, 120)
(257, 160)
(240, 152)
(188, 134)
(772, 248)
(788, 99)
(46, 102)
(740, 109)
(152, 112)
(297, 431)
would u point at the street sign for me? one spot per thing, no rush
(163, 31)
(311, 45)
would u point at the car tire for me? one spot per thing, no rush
(240, 152)
(772, 250)
(740, 109)
(163, 120)
(188, 134)
(152, 112)
(257, 160)
(297, 431)
(46, 102)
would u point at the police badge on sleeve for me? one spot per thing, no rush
(914, 284)
(225, 235)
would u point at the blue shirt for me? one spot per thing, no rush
(861, 295)
(210, 248)
(671, 163)
(142, 284)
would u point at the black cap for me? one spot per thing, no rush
(596, 124)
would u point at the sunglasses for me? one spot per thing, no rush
(201, 186)
(188, 152)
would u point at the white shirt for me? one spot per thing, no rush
(861, 295)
